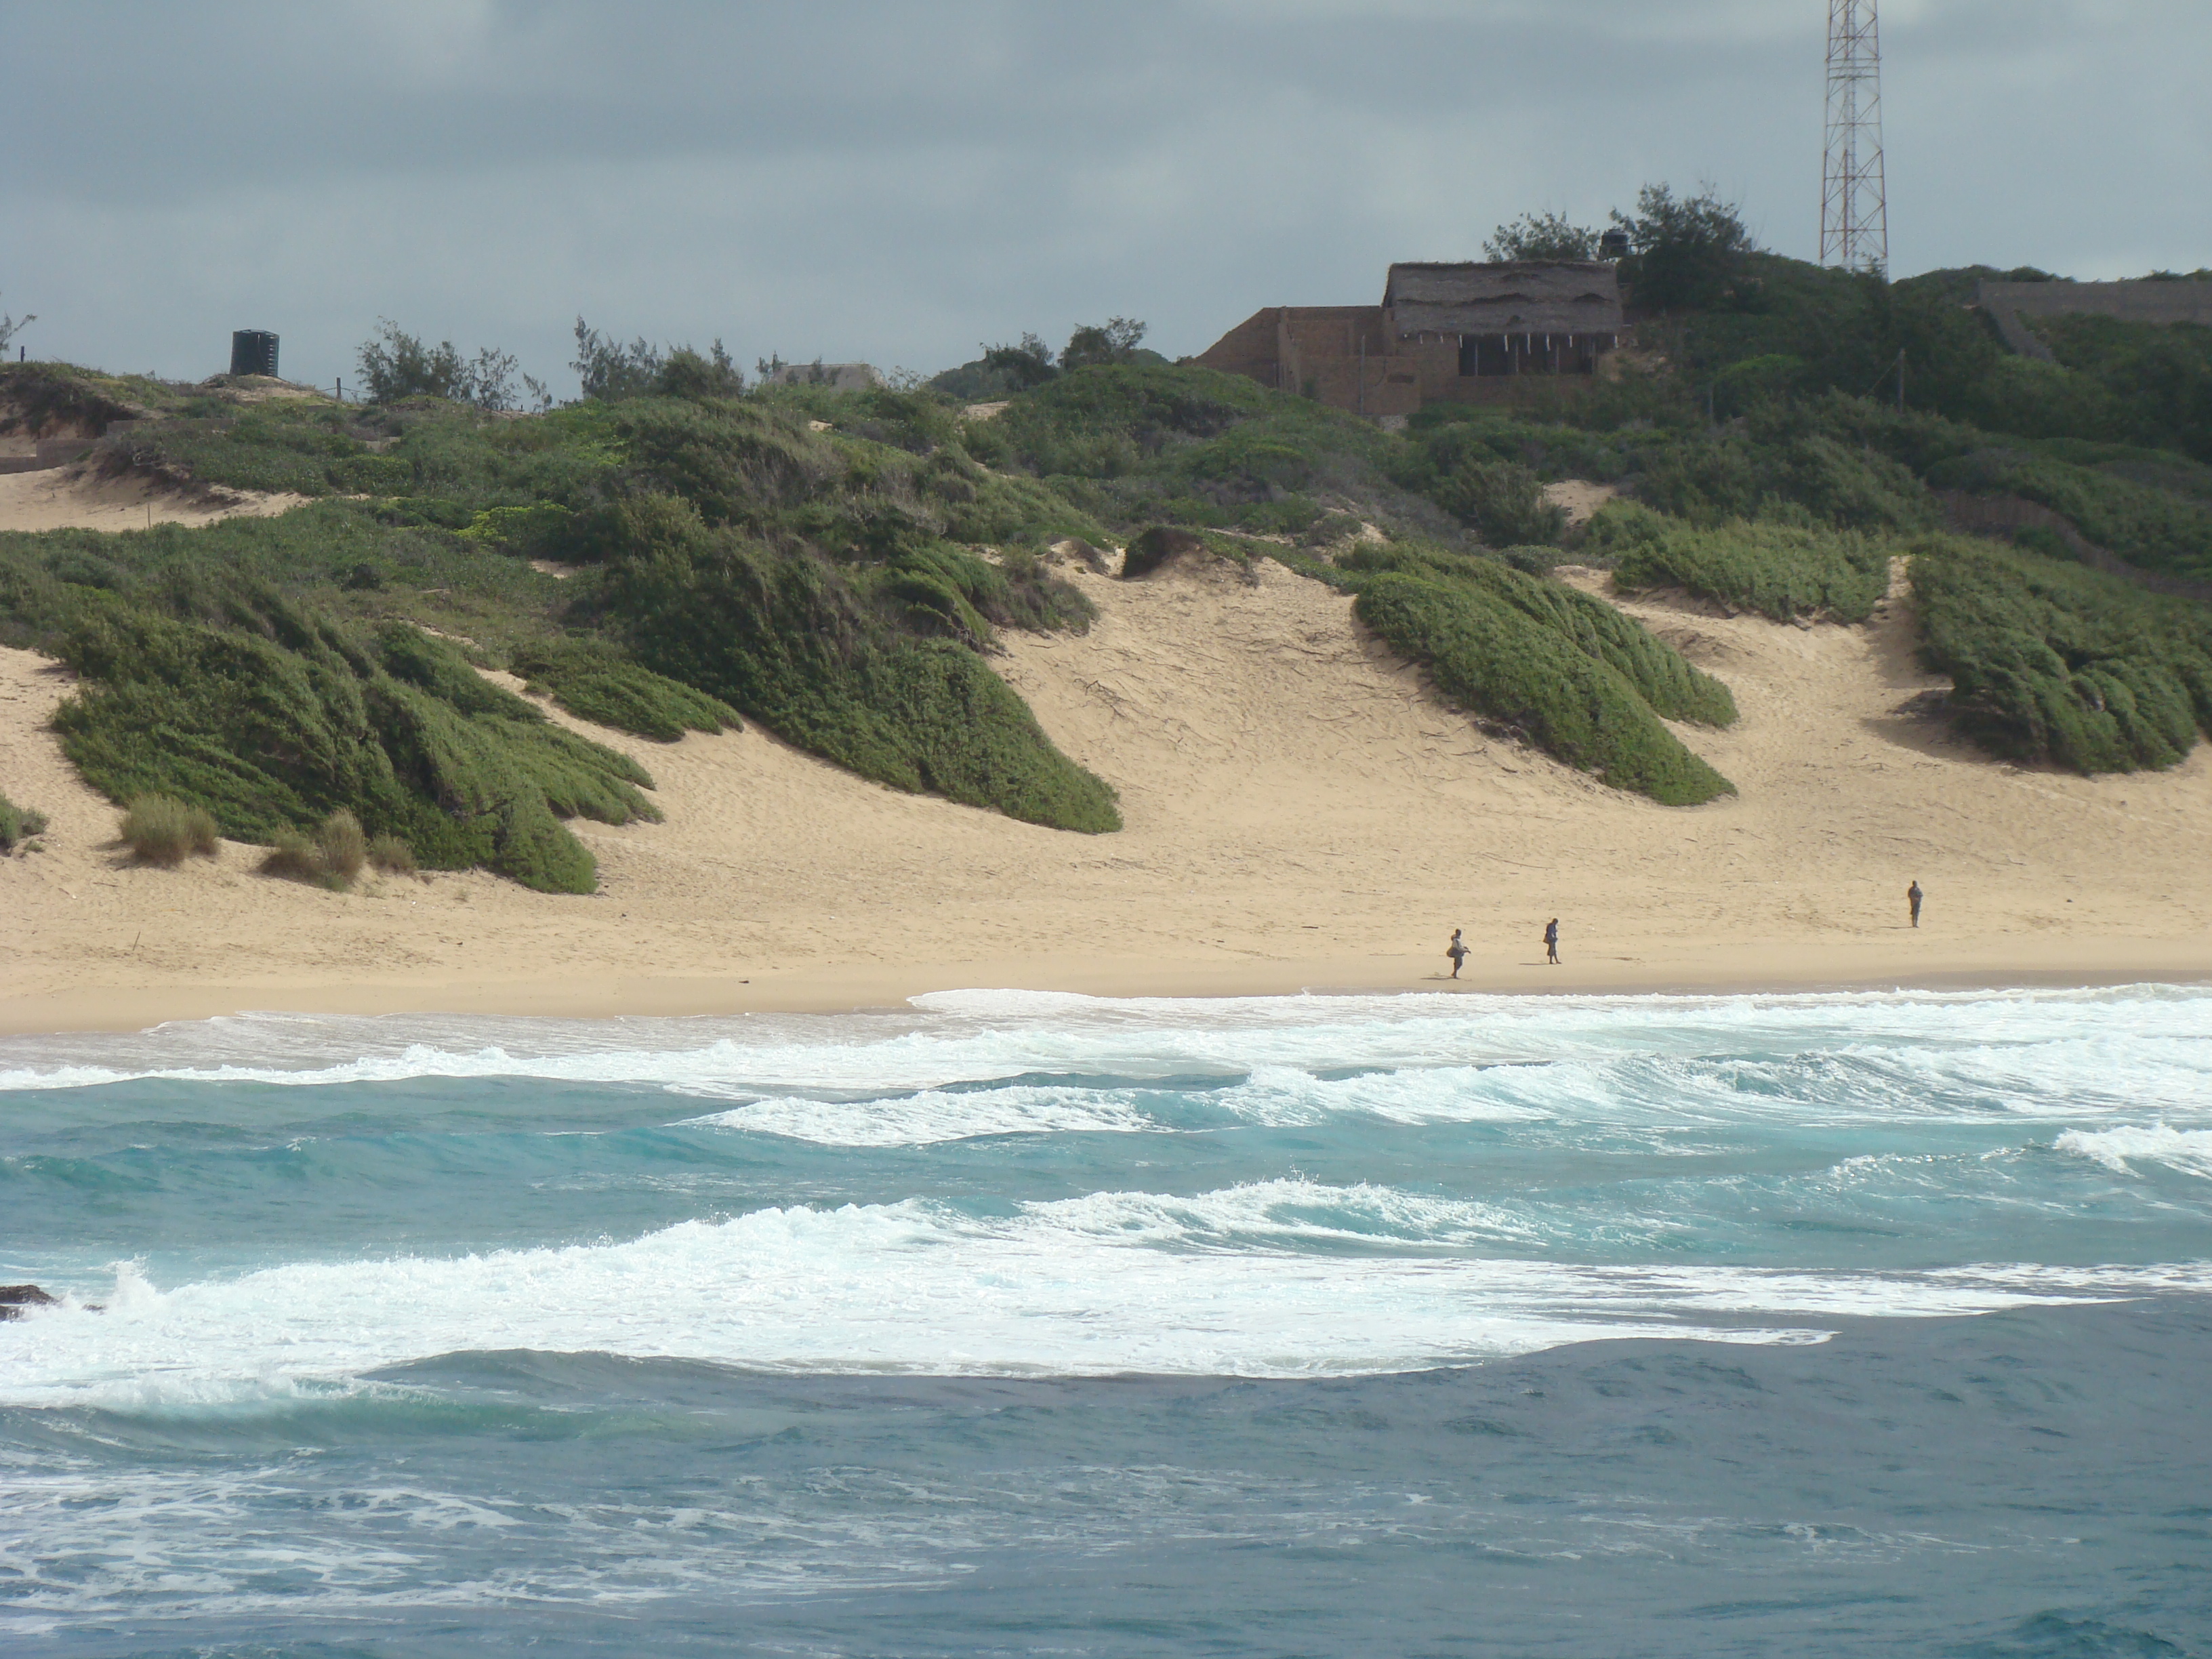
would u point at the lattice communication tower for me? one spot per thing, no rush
(1853, 203)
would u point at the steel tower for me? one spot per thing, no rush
(1853, 203)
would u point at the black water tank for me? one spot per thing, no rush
(1613, 245)
(253, 351)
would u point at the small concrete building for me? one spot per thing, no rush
(1467, 333)
(2184, 300)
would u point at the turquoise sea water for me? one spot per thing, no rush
(1023, 1324)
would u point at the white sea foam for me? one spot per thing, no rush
(1273, 1095)
(1285, 1278)
(2189, 1150)
(2039, 1054)
(934, 1115)
(1284, 1095)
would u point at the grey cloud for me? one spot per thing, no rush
(898, 181)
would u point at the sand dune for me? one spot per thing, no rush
(64, 498)
(1301, 813)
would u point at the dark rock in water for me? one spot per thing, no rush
(13, 1299)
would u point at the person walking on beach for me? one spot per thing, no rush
(1552, 941)
(1912, 897)
(1457, 951)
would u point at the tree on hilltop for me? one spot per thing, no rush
(11, 326)
(1541, 236)
(1114, 341)
(395, 364)
(1685, 254)
(1022, 366)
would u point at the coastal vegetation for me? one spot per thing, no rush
(681, 551)
(1539, 660)
(2053, 662)
(1779, 570)
(336, 854)
(163, 830)
(19, 825)
(1484, 655)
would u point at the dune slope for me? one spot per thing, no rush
(64, 498)
(1300, 811)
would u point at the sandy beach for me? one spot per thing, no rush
(1302, 815)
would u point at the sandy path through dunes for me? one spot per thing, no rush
(59, 498)
(1300, 814)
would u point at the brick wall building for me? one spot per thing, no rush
(1473, 333)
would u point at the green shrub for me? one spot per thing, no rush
(279, 717)
(37, 399)
(2146, 525)
(1714, 481)
(1602, 632)
(862, 524)
(1443, 436)
(18, 824)
(1776, 570)
(1501, 501)
(163, 830)
(2152, 383)
(1151, 433)
(1506, 668)
(429, 449)
(825, 654)
(595, 682)
(2055, 662)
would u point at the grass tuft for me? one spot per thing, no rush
(164, 830)
(293, 856)
(392, 856)
(18, 824)
(333, 857)
(343, 846)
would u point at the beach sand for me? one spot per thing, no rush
(63, 498)
(1302, 814)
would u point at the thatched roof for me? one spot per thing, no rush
(1518, 297)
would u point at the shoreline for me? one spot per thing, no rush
(1753, 970)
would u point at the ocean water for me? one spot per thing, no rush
(1018, 1324)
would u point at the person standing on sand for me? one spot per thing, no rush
(1457, 951)
(1912, 897)
(1552, 941)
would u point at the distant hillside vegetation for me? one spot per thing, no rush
(680, 551)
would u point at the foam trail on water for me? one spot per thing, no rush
(1276, 1279)
(2189, 1150)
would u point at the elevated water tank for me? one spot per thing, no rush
(1613, 245)
(253, 351)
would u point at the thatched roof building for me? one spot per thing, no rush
(1517, 297)
(1482, 333)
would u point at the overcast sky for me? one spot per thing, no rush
(897, 181)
